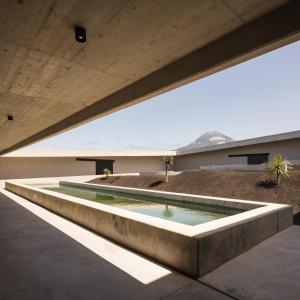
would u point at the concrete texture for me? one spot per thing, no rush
(284, 219)
(218, 248)
(39, 261)
(219, 155)
(17, 167)
(36, 167)
(134, 50)
(30, 163)
(171, 248)
(192, 250)
(269, 271)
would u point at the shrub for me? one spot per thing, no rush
(107, 172)
(278, 166)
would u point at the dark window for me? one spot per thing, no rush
(257, 159)
(100, 164)
(254, 159)
(104, 164)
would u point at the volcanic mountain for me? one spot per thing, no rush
(209, 138)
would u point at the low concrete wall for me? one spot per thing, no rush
(259, 168)
(159, 173)
(192, 250)
(242, 167)
(170, 248)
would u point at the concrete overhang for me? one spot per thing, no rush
(134, 50)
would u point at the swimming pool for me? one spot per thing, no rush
(223, 228)
(177, 211)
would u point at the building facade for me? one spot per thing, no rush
(245, 154)
(248, 154)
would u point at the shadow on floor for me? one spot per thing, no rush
(37, 261)
(269, 271)
(296, 219)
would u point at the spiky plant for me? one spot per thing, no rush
(107, 172)
(168, 161)
(278, 166)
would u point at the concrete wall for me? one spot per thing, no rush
(19, 167)
(33, 167)
(289, 149)
(137, 164)
(30, 167)
(192, 250)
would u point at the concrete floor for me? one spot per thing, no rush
(39, 261)
(269, 271)
(43, 256)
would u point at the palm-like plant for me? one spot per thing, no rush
(168, 161)
(107, 172)
(279, 166)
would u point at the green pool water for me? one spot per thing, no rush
(176, 211)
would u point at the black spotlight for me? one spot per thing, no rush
(80, 34)
(10, 118)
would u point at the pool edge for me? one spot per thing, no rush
(191, 255)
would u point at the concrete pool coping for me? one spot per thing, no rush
(193, 250)
(257, 209)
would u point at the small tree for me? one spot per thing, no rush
(168, 161)
(107, 172)
(278, 166)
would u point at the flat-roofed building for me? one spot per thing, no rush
(30, 163)
(249, 154)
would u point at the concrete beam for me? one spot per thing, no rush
(273, 30)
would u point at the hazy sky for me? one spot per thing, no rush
(258, 97)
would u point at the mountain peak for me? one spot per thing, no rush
(209, 138)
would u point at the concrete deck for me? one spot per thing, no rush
(43, 256)
(269, 271)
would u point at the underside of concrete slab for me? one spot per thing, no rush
(134, 50)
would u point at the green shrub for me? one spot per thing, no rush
(278, 166)
(107, 172)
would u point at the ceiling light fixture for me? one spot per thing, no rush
(80, 34)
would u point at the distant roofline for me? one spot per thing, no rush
(242, 143)
(34, 152)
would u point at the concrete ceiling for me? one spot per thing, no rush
(134, 50)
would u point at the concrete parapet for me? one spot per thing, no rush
(192, 250)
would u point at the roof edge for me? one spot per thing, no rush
(242, 143)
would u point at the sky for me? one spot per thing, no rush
(256, 98)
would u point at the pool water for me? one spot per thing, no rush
(172, 210)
